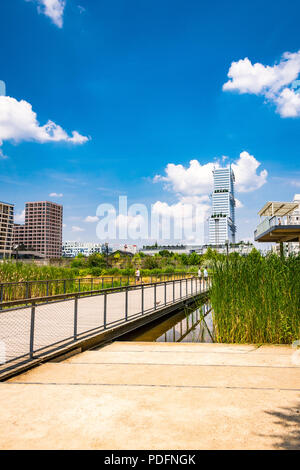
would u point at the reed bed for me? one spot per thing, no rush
(256, 299)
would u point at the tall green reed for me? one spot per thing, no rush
(256, 299)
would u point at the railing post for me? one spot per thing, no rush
(173, 291)
(165, 293)
(126, 305)
(180, 288)
(112, 282)
(75, 316)
(154, 296)
(142, 299)
(78, 285)
(191, 286)
(104, 310)
(32, 321)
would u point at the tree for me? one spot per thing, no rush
(96, 260)
(150, 263)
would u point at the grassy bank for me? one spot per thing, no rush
(256, 299)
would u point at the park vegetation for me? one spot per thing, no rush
(256, 299)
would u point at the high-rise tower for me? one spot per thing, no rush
(222, 220)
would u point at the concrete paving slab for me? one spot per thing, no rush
(154, 374)
(98, 417)
(88, 403)
(189, 358)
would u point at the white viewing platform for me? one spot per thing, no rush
(278, 223)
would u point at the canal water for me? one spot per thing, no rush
(187, 326)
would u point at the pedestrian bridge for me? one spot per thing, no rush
(48, 327)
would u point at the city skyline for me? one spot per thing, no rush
(144, 101)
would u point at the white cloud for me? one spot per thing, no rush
(130, 221)
(55, 195)
(20, 217)
(238, 204)
(18, 122)
(91, 219)
(54, 9)
(246, 176)
(194, 180)
(275, 82)
(81, 9)
(75, 228)
(288, 103)
(2, 156)
(197, 179)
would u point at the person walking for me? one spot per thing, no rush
(205, 276)
(137, 275)
(199, 275)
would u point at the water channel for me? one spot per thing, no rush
(192, 325)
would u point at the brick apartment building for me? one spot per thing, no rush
(42, 231)
(6, 229)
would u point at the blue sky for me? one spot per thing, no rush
(142, 85)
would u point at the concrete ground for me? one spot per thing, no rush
(157, 396)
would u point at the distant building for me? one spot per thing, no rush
(6, 229)
(71, 249)
(222, 220)
(42, 231)
(179, 249)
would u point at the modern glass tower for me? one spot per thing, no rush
(222, 220)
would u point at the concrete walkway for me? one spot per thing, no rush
(157, 396)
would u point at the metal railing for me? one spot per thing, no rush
(24, 290)
(46, 324)
(273, 221)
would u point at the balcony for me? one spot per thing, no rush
(279, 223)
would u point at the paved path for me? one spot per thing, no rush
(157, 396)
(54, 322)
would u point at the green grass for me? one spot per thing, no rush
(256, 299)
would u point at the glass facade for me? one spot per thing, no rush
(222, 220)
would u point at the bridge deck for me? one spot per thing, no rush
(157, 396)
(54, 322)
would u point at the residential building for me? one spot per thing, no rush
(42, 231)
(6, 229)
(71, 249)
(222, 220)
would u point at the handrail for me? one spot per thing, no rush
(23, 289)
(70, 295)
